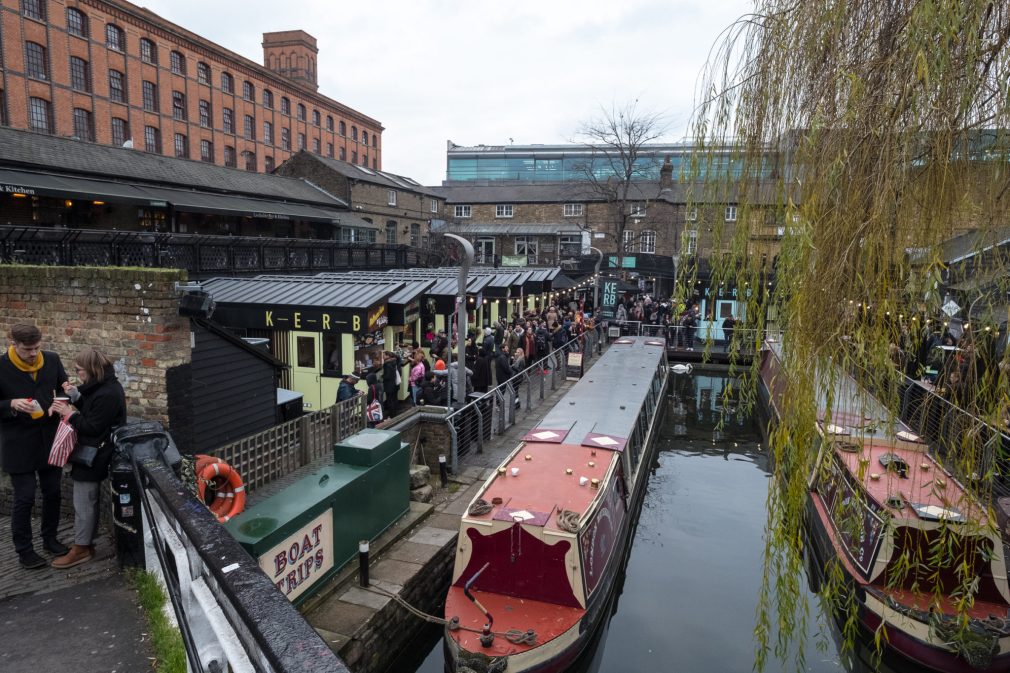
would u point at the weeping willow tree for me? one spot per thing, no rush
(865, 133)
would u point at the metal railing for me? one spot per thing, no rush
(282, 449)
(231, 616)
(497, 410)
(202, 256)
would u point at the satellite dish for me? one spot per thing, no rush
(128, 144)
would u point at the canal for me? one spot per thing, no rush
(690, 591)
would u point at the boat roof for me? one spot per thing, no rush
(929, 492)
(585, 433)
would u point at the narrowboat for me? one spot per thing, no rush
(878, 497)
(541, 545)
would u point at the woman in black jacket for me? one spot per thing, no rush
(100, 405)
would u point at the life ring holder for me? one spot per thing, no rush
(230, 499)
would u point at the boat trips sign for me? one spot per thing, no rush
(302, 559)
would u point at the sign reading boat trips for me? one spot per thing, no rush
(301, 560)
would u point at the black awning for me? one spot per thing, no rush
(194, 201)
(69, 187)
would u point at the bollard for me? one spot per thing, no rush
(443, 472)
(363, 563)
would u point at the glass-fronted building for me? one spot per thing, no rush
(572, 163)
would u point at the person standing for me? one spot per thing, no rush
(503, 367)
(99, 406)
(482, 371)
(391, 365)
(29, 379)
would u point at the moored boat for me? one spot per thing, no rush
(918, 551)
(541, 545)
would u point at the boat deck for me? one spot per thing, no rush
(928, 491)
(542, 485)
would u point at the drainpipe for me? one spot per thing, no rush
(464, 272)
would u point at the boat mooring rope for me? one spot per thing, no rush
(515, 636)
(480, 507)
(568, 520)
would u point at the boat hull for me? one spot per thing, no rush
(907, 638)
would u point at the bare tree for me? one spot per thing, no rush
(616, 138)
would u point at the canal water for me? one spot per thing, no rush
(690, 591)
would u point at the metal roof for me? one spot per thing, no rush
(301, 291)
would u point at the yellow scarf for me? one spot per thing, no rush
(24, 366)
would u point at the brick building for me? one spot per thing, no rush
(111, 72)
(398, 209)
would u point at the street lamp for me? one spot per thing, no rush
(461, 324)
(596, 282)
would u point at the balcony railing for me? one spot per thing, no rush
(202, 256)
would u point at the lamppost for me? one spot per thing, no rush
(596, 282)
(461, 324)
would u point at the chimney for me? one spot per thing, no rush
(666, 175)
(292, 54)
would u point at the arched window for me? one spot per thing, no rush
(177, 62)
(249, 160)
(115, 38)
(329, 122)
(354, 133)
(248, 90)
(343, 129)
(364, 137)
(391, 232)
(227, 83)
(301, 112)
(268, 99)
(315, 117)
(77, 22)
(148, 51)
(285, 105)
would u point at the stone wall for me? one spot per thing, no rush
(130, 314)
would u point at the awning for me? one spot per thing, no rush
(73, 187)
(491, 229)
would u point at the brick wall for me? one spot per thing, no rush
(130, 314)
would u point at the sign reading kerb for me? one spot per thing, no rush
(301, 560)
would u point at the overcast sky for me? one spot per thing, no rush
(482, 72)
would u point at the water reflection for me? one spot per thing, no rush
(687, 599)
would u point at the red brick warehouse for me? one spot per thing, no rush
(111, 72)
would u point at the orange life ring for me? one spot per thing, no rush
(230, 499)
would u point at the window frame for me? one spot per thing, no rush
(415, 234)
(434, 205)
(36, 59)
(148, 51)
(152, 139)
(205, 113)
(248, 91)
(300, 112)
(84, 75)
(230, 156)
(391, 197)
(230, 79)
(462, 211)
(81, 29)
(691, 214)
(729, 214)
(690, 241)
(34, 9)
(203, 73)
(228, 120)
(286, 139)
(83, 115)
(638, 210)
(391, 232)
(180, 149)
(125, 129)
(177, 62)
(179, 106)
(268, 132)
(285, 106)
(208, 155)
(530, 247)
(120, 95)
(647, 242)
(504, 210)
(267, 97)
(149, 103)
(316, 118)
(573, 210)
(115, 38)
(249, 127)
(46, 109)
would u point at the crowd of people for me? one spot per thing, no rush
(494, 354)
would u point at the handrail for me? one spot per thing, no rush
(271, 635)
(199, 254)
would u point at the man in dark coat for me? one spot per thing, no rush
(482, 371)
(391, 364)
(489, 343)
(29, 379)
(502, 366)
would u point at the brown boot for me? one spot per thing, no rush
(78, 554)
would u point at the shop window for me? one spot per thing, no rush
(305, 352)
(154, 220)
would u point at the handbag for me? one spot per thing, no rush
(399, 380)
(373, 412)
(63, 444)
(84, 454)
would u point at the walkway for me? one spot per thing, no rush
(81, 619)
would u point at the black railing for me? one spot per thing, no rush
(202, 256)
